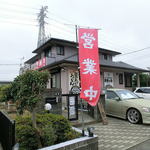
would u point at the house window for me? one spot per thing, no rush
(105, 57)
(60, 50)
(55, 80)
(120, 78)
(48, 53)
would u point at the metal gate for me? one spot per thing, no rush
(7, 132)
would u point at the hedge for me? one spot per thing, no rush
(51, 129)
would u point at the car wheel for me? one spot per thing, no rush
(133, 116)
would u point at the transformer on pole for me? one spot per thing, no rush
(41, 21)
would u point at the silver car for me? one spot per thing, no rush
(125, 104)
(143, 92)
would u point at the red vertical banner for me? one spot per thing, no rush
(89, 65)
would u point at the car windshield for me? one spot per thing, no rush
(125, 94)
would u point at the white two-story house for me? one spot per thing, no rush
(60, 58)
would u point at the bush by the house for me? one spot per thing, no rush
(51, 129)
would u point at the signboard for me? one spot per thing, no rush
(40, 63)
(89, 65)
(72, 107)
(108, 79)
(73, 79)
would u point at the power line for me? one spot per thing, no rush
(17, 14)
(68, 21)
(17, 11)
(16, 5)
(135, 51)
(9, 64)
(9, 22)
(60, 28)
(16, 19)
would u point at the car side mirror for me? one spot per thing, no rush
(117, 98)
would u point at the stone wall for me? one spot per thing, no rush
(82, 143)
(54, 94)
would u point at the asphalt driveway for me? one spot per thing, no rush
(120, 134)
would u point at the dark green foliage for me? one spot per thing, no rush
(27, 89)
(72, 134)
(51, 129)
(48, 136)
(144, 80)
(27, 137)
(60, 124)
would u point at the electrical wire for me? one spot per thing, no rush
(64, 19)
(9, 64)
(8, 18)
(146, 48)
(111, 39)
(9, 22)
(16, 11)
(16, 5)
(61, 28)
(61, 32)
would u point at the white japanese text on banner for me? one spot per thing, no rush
(89, 65)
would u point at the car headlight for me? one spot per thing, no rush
(146, 109)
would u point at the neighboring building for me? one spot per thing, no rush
(5, 82)
(60, 58)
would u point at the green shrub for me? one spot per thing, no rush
(60, 124)
(51, 129)
(27, 137)
(48, 136)
(72, 134)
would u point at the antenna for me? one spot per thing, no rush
(41, 20)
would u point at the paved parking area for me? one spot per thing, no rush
(120, 134)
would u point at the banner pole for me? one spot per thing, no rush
(81, 101)
(83, 133)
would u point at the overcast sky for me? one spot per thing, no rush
(124, 24)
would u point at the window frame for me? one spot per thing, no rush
(60, 50)
(128, 79)
(120, 78)
(48, 53)
(105, 56)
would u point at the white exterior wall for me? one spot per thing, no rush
(115, 78)
(64, 81)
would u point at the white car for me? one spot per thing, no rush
(143, 92)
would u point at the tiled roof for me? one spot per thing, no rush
(104, 63)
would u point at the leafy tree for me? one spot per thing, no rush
(27, 91)
(144, 80)
(5, 93)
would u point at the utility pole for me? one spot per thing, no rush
(76, 28)
(41, 21)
